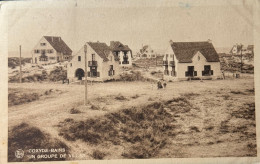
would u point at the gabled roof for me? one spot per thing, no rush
(58, 44)
(101, 49)
(118, 46)
(185, 51)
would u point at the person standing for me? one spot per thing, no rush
(159, 84)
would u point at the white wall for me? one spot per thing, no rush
(198, 61)
(46, 47)
(121, 54)
(181, 68)
(106, 68)
(102, 67)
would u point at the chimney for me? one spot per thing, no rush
(170, 41)
(209, 41)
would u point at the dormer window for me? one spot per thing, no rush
(43, 44)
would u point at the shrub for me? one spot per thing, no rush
(15, 61)
(24, 136)
(135, 96)
(74, 111)
(98, 154)
(144, 130)
(58, 74)
(94, 107)
(134, 76)
(120, 97)
(17, 98)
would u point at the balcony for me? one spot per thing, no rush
(172, 63)
(92, 63)
(165, 62)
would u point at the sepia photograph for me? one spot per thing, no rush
(128, 79)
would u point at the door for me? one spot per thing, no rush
(93, 71)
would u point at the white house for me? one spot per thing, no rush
(123, 52)
(147, 52)
(102, 64)
(183, 60)
(51, 49)
(238, 49)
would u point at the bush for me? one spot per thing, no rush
(74, 111)
(98, 154)
(145, 130)
(120, 97)
(15, 61)
(58, 74)
(24, 136)
(17, 98)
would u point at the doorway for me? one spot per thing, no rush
(80, 73)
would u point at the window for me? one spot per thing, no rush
(111, 71)
(93, 57)
(43, 44)
(79, 58)
(50, 51)
(198, 58)
(36, 51)
(207, 71)
(190, 72)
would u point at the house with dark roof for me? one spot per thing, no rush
(102, 63)
(184, 60)
(123, 52)
(147, 52)
(51, 49)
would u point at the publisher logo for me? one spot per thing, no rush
(19, 153)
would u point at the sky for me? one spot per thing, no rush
(134, 23)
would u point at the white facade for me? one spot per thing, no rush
(77, 64)
(148, 52)
(198, 63)
(45, 53)
(122, 61)
(43, 46)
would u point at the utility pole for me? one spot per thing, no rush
(241, 57)
(86, 74)
(20, 63)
